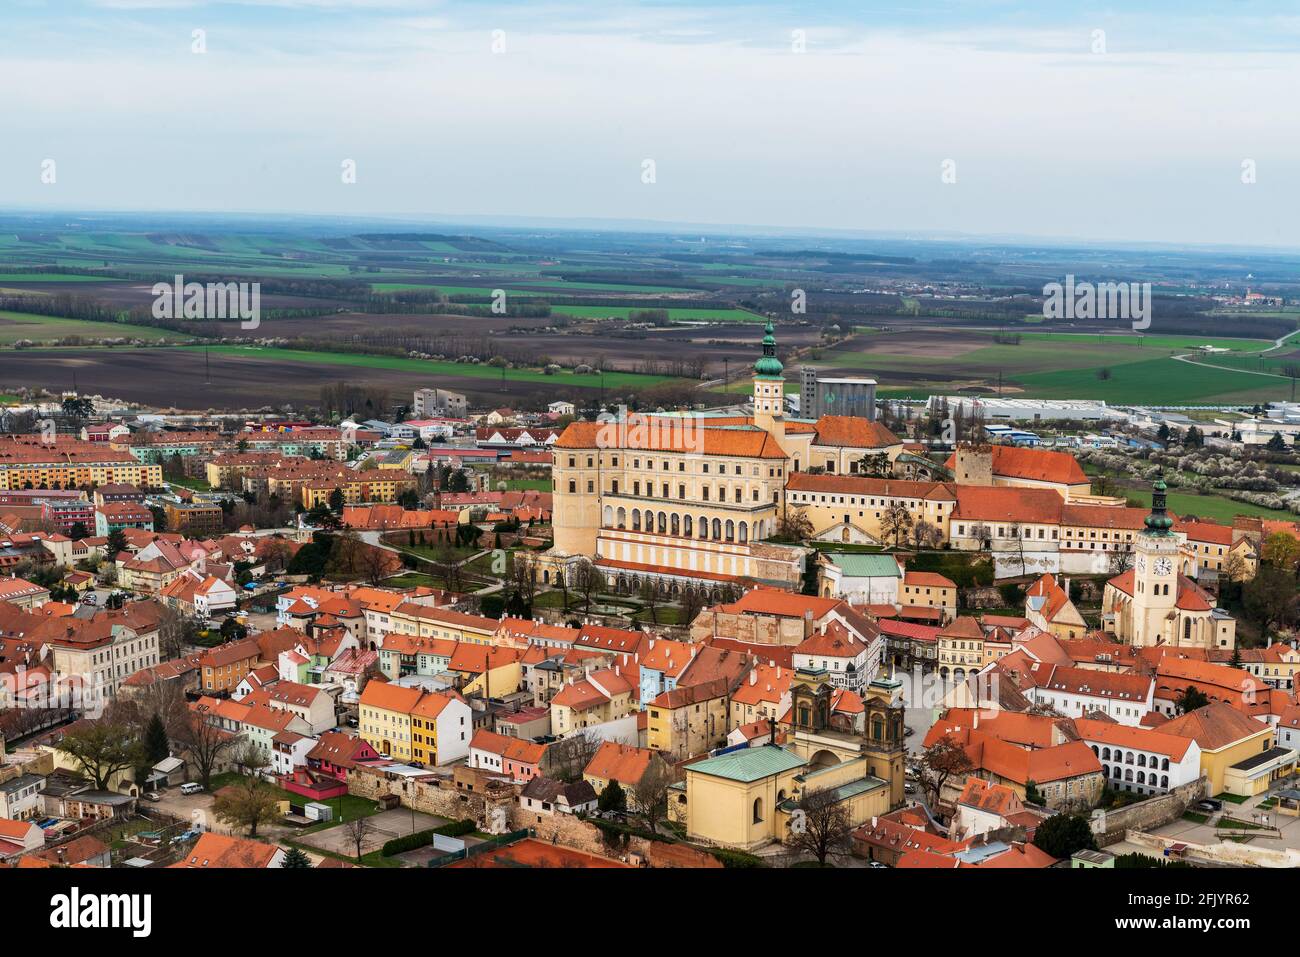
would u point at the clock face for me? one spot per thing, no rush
(1163, 566)
(1142, 564)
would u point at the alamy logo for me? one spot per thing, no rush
(1106, 300)
(215, 300)
(74, 910)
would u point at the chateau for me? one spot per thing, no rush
(694, 499)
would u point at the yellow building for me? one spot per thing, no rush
(961, 648)
(1238, 755)
(28, 462)
(385, 718)
(859, 509)
(684, 722)
(370, 486)
(593, 699)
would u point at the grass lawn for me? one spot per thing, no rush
(195, 484)
(528, 485)
(413, 580)
(611, 380)
(1231, 798)
(1195, 818)
(1219, 508)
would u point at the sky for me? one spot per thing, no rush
(1135, 121)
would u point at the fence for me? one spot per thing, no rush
(483, 847)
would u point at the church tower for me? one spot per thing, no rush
(1155, 572)
(769, 388)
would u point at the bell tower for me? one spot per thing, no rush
(769, 387)
(1155, 571)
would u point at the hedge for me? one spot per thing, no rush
(736, 858)
(410, 842)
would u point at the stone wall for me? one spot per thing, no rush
(438, 796)
(1110, 826)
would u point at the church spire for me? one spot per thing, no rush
(1158, 523)
(769, 366)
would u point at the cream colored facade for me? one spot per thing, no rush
(691, 499)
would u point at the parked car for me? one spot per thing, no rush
(152, 796)
(878, 864)
(90, 598)
(1209, 804)
(191, 787)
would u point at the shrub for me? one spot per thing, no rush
(410, 842)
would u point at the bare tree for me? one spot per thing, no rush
(795, 525)
(249, 801)
(820, 826)
(651, 792)
(896, 522)
(650, 593)
(567, 758)
(357, 830)
(205, 745)
(523, 577)
(588, 581)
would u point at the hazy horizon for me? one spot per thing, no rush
(1053, 140)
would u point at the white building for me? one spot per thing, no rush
(1141, 760)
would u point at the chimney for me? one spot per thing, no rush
(753, 677)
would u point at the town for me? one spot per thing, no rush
(736, 637)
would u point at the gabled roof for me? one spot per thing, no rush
(1038, 465)
(619, 762)
(514, 749)
(1215, 726)
(851, 431)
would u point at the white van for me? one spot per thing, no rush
(193, 787)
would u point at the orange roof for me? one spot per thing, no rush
(514, 749)
(390, 697)
(863, 485)
(1053, 595)
(1009, 505)
(434, 703)
(928, 580)
(766, 684)
(1139, 739)
(674, 436)
(851, 431)
(619, 762)
(1201, 530)
(1104, 516)
(765, 600)
(223, 850)
(965, 627)
(833, 641)
(1039, 465)
(1215, 726)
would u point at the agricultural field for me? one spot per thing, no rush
(675, 314)
(1123, 368)
(15, 326)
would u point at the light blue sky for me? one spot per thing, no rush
(1144, 141)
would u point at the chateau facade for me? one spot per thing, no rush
(693, 499)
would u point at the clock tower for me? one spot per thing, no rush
(1155, 572)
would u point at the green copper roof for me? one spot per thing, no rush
(749, 764)
(769, 366)
(1158, 522)
(856, 565)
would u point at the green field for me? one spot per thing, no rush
(1218, 508)
(1137, 369)
(538, 290)
(21, 325)
(52, 277)
(430, 367)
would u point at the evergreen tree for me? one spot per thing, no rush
(157, 746)
(612, 798)
(295, 859)
(1063, 834)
